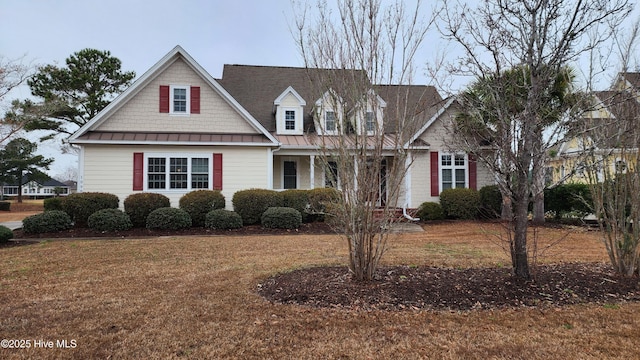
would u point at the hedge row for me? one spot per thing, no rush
(311, 204)
(99, 211)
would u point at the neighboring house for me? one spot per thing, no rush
(604, 137)
(36, 189)
(177, 129)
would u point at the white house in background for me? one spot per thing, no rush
(177, 129)
(37, 189)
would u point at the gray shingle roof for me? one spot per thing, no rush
(256, 88)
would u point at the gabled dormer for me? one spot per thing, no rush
(368, 114)
(289, 109)
(329, 114)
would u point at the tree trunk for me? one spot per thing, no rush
(538, 208)
(507, 208)
(519, 250)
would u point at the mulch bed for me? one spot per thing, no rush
(432, 288)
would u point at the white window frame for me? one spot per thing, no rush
(282, 121)
(187, 89)
(167, 157)
(293, 160)
(335, 122)
(453, 167)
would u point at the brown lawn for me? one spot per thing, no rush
(195, 297)
(21, 210)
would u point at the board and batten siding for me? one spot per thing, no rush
(216, 115)
(109, 168)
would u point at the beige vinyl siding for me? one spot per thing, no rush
(141, 113)
(436, 136)
(110, 169)
(303, 168)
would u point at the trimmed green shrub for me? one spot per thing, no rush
(299, 200)
(80, 206)
(5, 234)
(460, 203)
(199, 202)
(281, 218)
(168, 218)
(109, 220)
(48, 221)
(223, 219)
(139, 205)
(323, 200)
(54, 203)
(430, 211)
(251, 204)
(5, 206)
(567, 198)
(490, 202)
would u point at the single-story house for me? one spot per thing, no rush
(36, 189)
(177, 129)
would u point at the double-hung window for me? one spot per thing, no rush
(185, 172)
(454, 171)
(330, 121)
(370, 124)
(179, 99)
(290, 120)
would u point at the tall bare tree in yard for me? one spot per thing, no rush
(543, 37)
(362, 127)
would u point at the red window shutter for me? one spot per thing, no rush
(164, 98)
(435, 178)
(217, 171)
(473, 172)
(195, 99)
(138, 171)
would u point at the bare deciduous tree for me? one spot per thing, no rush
(543, 37)
(13, 73)
(366, 114)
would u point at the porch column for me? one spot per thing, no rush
(312, 171)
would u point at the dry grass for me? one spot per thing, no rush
(195, 297)
(21, 210)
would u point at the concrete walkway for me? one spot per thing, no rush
(13, 225)
(406, 227)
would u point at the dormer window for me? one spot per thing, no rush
(289, 110)
(290, 120)
(330, 121)
(370, 124)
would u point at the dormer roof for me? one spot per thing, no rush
(292, 91)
